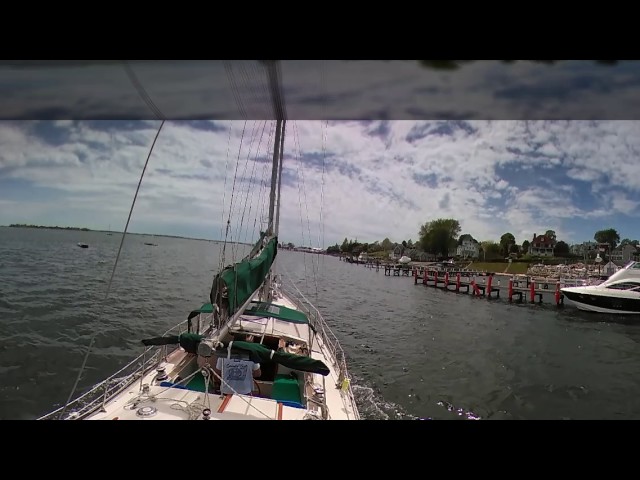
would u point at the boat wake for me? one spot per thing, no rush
(373, 407)
(461, 412)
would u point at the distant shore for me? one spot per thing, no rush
(24, 225)
(83, 229)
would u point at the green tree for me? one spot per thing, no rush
(345, 245)
(506, 241)
(609, 236)
(490, 250)
(387, 245)
(439, 236)
(333, 249)
(375, 247)
(551, 234)
(525, 246)
(562, 249)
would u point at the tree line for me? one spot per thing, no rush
(442, 236)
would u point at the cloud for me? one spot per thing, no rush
(365, 180)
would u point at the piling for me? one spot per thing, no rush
(532, 291)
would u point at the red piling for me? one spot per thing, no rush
(488, 290)
(435, 279)
(446, 280)
(476, 290)
(558, 293)
(510, 289)
(533, 291)
(458, 282)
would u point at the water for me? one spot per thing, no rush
(414, 352)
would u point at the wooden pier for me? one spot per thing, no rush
(486, 285)
(398, 270)
(514, 287)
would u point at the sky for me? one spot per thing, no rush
(364, 180)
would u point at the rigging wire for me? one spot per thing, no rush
(251, 187)
(247, 193)
(323, 87)
(224, 196)
(141, 91)
(304, 253)
(113, 271)
(233, 188)
(245, 188)
(228, 66)
(306, 204)
(252, 84)
(266, 177)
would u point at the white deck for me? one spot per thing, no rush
(171, 403)
(177, 404)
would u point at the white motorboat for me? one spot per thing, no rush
(619, 294)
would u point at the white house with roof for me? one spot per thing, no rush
(469, 248)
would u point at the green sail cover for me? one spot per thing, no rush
(245, 277)
(263, 309)
(296, 362)
(206, 308)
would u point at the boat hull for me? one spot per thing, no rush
(595, 300)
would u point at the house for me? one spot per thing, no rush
(397, 252)
(418, 255)
(584, 248)
(542, 246)
(624, 254)
(609, 269)
(469, 248)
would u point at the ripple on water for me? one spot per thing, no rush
(414, 352)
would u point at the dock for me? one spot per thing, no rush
(481, 284)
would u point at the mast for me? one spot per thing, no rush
(278, 110)
(274, 178)
(276, 169)
(280, 177)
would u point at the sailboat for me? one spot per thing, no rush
(203, 368)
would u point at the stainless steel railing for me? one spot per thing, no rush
(324, 331)
(93, 399)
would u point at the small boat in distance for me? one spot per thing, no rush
(83, 245)
(151, 244)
